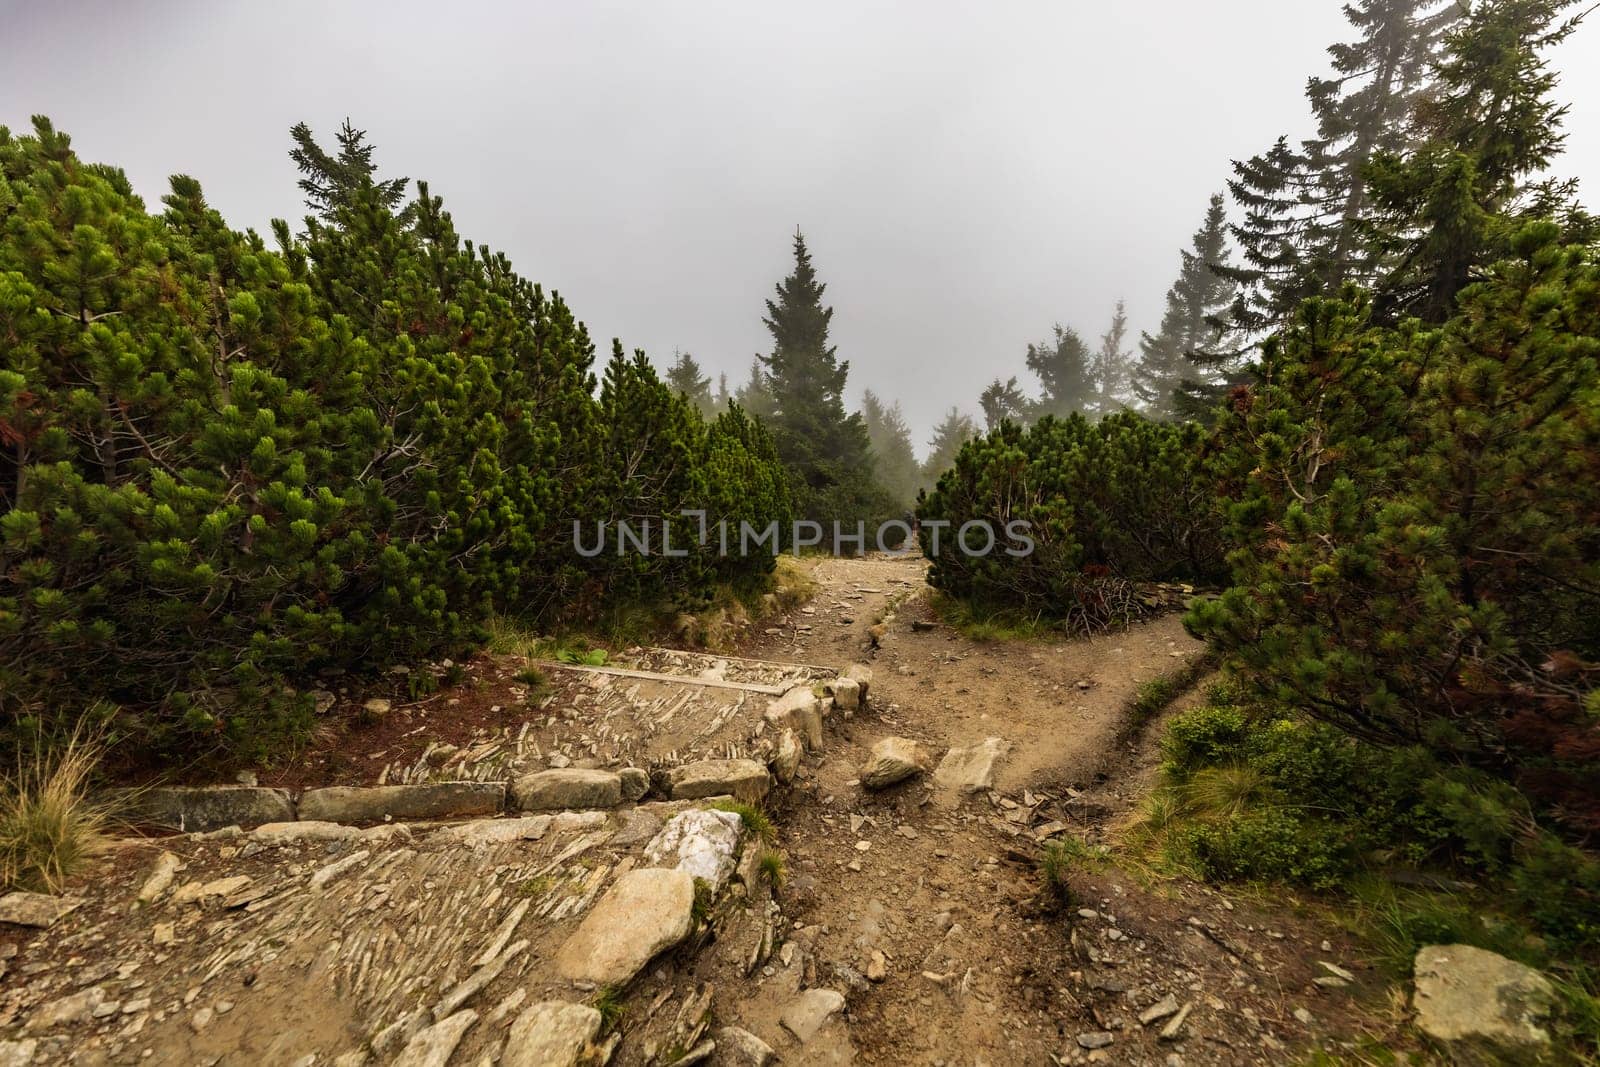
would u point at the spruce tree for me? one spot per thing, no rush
(1449, 207)
(893, 456)
(1188, 324)
(1064, 367)
(723, 397)
(1112, 364)
(684, 377)
(1003, 401)
(953, 431)
(824, 446)
(755, 395)
(1305, 206)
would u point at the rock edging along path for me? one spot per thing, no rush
(558, 788)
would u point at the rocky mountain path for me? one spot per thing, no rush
(921, 903)
(565, 865)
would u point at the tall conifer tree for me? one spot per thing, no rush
(953, 431)
(1003, 401)
(1112, 364)
(1448, 208)
(1187, 325)
(824, 446)
(1304, 206)
(1064, 367)
(684, 377)
(893, 456)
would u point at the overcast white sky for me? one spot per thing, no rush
(966, 174)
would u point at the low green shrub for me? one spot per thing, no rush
(1268, 844)
(1203, 737)
(1106, 504)
(1257, 796)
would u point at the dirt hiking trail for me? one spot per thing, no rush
(616, 914)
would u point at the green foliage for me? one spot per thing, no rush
(1456, 203)
(595, 657)
(1106, 503)
(1418, 514)
(609, 1001)
(755, 820)
(1267, 844)
(1274, 797)
(1306, 206)
(686, 380)
(223, 467)
(1065, 369)
(953, 431)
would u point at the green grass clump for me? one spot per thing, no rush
(772, 869)
(755, 820)
(609, 1003)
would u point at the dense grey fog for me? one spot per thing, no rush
(966, 174)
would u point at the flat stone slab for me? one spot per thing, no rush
(431, 800)
(810, 1012)
(434, 1045)
(742, 779)
(644, 913)
(495, 831)
(568, 788)
(701, 842)
(971, 769)
(893, 760)
(212, 807)
(552, 1033)
(737, 1047)
(34, 909)
(1465, 994)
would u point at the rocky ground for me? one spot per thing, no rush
(613, 913)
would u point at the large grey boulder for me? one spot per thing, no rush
(893, 760)
(196, 808)
(970, 769)
(799, 710)
(571, 787)
(430, 800)
(551, 1033)
(644, 913)
(742, 779)
(1470, 994)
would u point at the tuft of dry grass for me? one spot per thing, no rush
(49, 825)
(792, 583)
(1227, 791)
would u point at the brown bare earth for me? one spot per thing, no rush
(919, 905)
